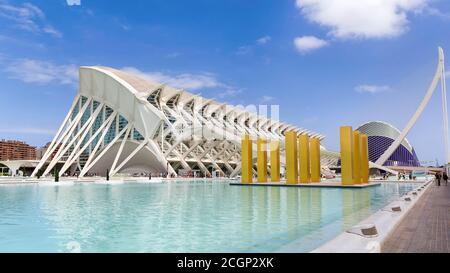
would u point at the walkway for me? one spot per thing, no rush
(427, 226)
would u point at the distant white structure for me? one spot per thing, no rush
(124, 124)
(439, 75)
(381, 135)
(15, 165)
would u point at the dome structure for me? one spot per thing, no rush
(381, 135)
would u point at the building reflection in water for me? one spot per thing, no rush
(196, 217)
(355, 204)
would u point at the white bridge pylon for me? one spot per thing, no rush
(439, 75)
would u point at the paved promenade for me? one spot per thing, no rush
(426, 229)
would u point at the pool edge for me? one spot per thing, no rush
(385, 222)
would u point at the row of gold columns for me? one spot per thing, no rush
(354, 157)
(308, 154)
(364, 159)
(315, 159)
(274, 161)
(262, 146)
(246, 160)
(302, 159)
(291, 158)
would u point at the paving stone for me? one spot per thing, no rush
(426, 228)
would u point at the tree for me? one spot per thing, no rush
(56, 175)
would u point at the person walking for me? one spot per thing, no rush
(438, 178)
(445, 178)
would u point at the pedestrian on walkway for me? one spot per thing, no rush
(445, 178)
(438, 178)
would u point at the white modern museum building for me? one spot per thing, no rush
(123, 124)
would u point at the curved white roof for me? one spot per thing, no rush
(381, 128)
(143, 87)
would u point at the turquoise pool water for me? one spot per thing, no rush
(200, 216)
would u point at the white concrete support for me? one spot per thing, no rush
(206, 151)
(178, 155)
(381, 167)
(74, 156)
(154, 147)
(226, 159)
(99, 143)
(236, 170)
(445, 113)
(50, 148)
(87, 130)
(88, 167)
(122, 144)
(132, 154)
(193, 146)
(82, 132)
(66, 137)
(172, 147)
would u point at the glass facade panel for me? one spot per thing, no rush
(137, 135)
(122, 123)
(111, 134)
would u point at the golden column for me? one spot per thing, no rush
(247, 160)
(261, 147)
(346, 155)
(356, 158)
(315, 159)
(291, 157)
(305, 172)
(274, 161)
(364, 159)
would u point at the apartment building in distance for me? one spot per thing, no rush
(16, 150)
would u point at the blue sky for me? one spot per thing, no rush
(325, 62)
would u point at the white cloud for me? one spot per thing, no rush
(447, 73)
(361, 18)
(306, 44)
(189, 81)
(42, 72)
(125, 27)
(264, 40)
(244, 50)
(27, 131)
(73, 2)
(247, 49)
(372, 89)
(28, 17)
(51, 30)
(436, 12)
(266, 99)
(173, 55)
(186, 81)
(229, 92)
(19, 42)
